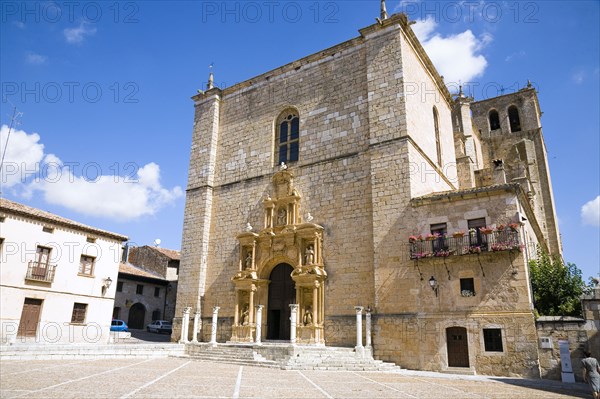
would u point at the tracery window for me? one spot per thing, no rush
(287, 137)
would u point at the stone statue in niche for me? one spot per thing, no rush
(248, 260)
(245, 316)
(307, 319)
(281, 217)
(309, 255)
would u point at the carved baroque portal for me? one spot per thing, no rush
(283, 239)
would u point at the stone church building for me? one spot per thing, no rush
(420, 207)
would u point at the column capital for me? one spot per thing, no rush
(294, 306)
(187, 310)
(216, 309)
(259, 306)
(359, 309)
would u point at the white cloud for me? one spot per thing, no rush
(513, 56)
(91, 192)
(578, 76)
(35, 59)
(77, 35)
(456, 57)
(590, 212)
(22, 158)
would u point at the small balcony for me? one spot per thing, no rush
(43, 272)
(473, 243)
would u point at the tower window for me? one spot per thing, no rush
(288, 137)
(513, 119)
(494, 120)
(436, 126)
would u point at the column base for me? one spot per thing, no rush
(360, 351)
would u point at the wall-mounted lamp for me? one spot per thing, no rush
(434, 285)
(106, 285)
(107, 282)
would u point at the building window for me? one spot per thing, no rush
(48, 229)
(91, 240)
(156, 315)
(438, 145)
(119, 286)
(116, 313)
(139, 289)
(288, 137)
(42, 256)
(476, 238)
(492, 338)
(79, 310)
(494, 120)
(86, 265)
(440, 243)
(156, 291)
(513, 119)
(467, 287)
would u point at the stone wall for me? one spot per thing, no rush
(582, 334)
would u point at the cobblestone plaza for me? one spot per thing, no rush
(184, 378)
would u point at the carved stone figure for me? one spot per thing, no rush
(245, 316)
(309, 256)
(248, 261)
(307, 319)
(281, 216)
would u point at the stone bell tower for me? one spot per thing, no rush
(285, 243)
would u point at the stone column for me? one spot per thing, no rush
(368, 327)
(236, 314)
(185, 325)
(293, 318)
(196, 325)
(359, 346)
(315, 308)
(251, 307)
(259, 309)
(213, 330)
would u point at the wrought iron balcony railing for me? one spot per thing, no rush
(499, 240)
(37, 271)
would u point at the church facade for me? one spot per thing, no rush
(352, 177)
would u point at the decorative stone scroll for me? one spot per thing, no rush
(285, 238)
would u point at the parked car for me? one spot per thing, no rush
(118, 325)
(160, 326)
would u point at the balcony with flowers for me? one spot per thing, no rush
(474, 241)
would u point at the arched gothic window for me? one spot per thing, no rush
(287, 140)
(494, 120)
(436, 126)
(513, 119)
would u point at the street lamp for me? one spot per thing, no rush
(434, 285)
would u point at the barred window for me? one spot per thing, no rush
(438, 144)
(79, 311)
(288, 137)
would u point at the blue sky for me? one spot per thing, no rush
(103, 91)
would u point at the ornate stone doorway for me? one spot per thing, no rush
(458, 347)
(281, 294)
(280, 264)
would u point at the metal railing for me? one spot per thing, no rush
(37, 271)
(499, 240)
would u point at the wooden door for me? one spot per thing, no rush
(137, 314)
(30, 318)
(40, 267)
(282, 293)
(458, 347)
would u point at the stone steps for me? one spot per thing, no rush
(289, 357)
(88, 351)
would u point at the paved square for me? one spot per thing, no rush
(185, 378)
